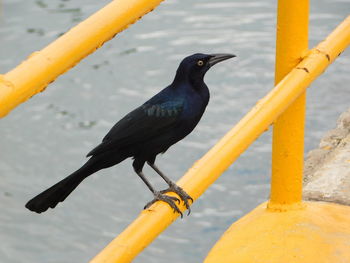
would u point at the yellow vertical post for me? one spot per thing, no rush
(288, 132)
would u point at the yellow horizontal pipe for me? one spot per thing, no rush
(204, 172)
(43, 67)
(288, 129)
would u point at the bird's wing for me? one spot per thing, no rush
(143, 123)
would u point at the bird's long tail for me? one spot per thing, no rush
(59, 192)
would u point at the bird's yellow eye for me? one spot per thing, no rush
(200, 63)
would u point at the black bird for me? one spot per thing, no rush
(145, 132)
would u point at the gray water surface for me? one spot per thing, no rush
(46, 138)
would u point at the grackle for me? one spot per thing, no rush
(145, 132)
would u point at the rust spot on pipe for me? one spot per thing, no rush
(305, 69)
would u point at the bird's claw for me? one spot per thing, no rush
(180, 192)
(170, 200)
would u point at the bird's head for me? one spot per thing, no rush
(194, 67)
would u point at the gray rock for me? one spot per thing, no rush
(327, 169)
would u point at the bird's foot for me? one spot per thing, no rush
(180, 192)
(170, 200)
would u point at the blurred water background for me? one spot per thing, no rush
(46, 138)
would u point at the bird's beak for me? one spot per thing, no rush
(216, 58)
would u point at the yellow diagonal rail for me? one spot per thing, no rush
(204, 172)
(43, 67)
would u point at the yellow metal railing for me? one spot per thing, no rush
(43, 67)
(288, 129)
(204, 172)
(296, 68)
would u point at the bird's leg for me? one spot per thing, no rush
(173, 187)
(158, 196)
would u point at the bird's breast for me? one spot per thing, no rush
(191, 114)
